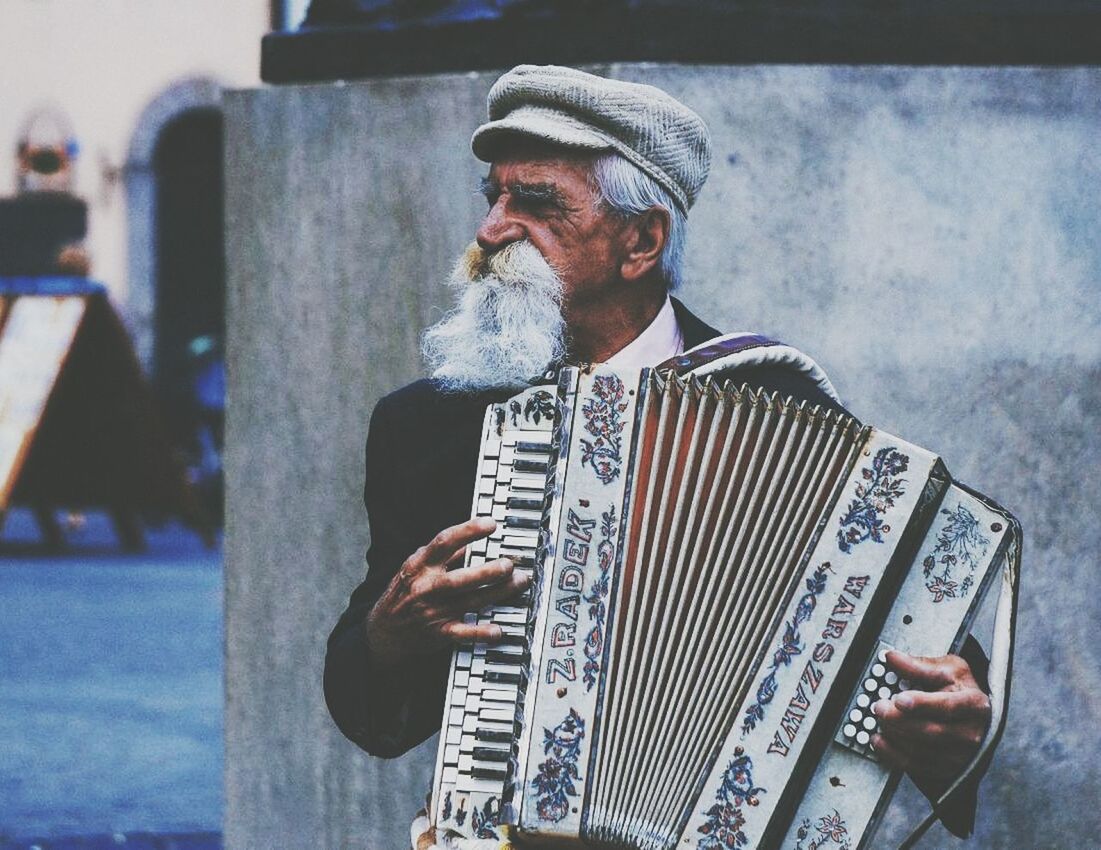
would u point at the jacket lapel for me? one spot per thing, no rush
(693, 329)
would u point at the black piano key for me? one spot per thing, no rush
(492, 754)
(518, 560)
(517, 504)
(489, 773)
(533, 448)
(508, 639)
(522, 465)
(523, 522)
(499, 656)
(500, 677)
(493, 736)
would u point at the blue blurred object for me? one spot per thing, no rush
(13, 286)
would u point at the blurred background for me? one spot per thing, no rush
(112, 373)
(209, 198)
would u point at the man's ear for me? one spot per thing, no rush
(645, 239)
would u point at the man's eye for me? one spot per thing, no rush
(535, 203)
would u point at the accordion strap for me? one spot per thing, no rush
(1000, 675)
(742, 350)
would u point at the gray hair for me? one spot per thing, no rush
(629, 192)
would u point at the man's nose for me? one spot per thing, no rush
(498, 229)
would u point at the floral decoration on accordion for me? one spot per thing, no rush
(881, 486)
(791, 644)
(483, 821)
(828, 829)
(594, 641)
(723, 828)
(554, 779)
(540, 405)
(959, 543)
(603, 412)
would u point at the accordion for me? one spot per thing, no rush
(718, 574)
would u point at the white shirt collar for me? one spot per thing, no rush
(660, 340)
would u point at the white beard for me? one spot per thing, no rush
(507, 326)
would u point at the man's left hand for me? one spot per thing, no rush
(933, 729)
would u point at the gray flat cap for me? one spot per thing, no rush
(567, 107)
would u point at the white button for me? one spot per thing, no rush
(869, 723)
(862, 738)
(849, 730)
(863, 700)
(882, 655)
(856, 715)
(870, 685)
(891, 677)
(884, 693)
(878, 670)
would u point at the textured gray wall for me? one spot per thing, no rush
(928, 234)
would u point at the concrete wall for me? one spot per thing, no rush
(926, 233)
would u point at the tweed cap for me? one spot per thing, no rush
(564, 106)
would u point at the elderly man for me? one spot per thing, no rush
(589, 186)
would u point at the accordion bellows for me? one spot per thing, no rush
(718, 575)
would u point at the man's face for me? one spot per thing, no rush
(546, 254)
(548, 200)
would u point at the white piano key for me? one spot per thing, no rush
(471, 785)
(501, 715)
(527, 481)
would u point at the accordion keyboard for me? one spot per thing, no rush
(485, 697)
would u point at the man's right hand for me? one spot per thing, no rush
(422, 609)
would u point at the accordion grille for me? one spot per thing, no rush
(729, 488)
